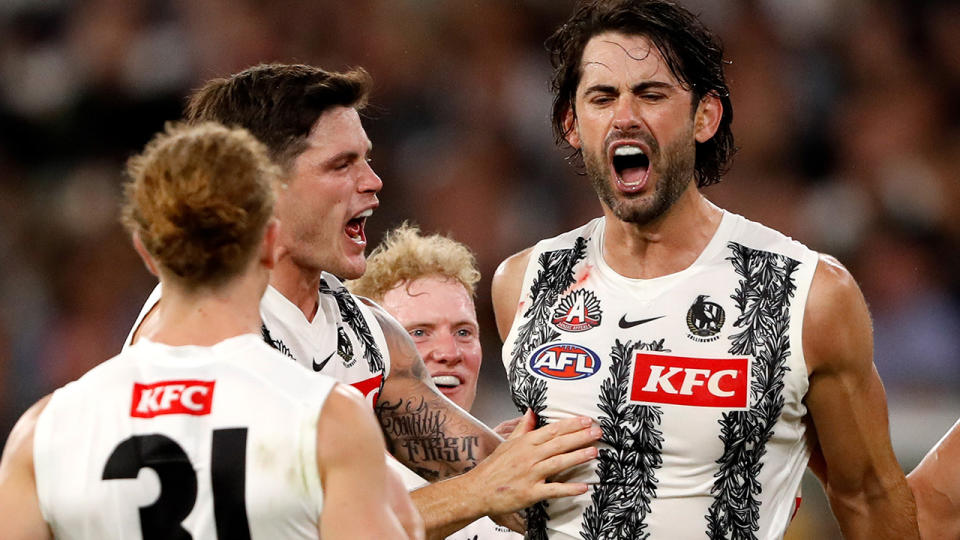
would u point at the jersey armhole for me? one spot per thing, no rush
(804, 282)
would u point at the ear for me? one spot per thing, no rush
(570, 128)
(268, 248)
(707, 118)
(145, 255)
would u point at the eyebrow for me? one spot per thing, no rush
(349, 155)
(636, 89)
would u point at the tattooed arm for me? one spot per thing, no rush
(847, 407)
(432, 436)
(424, 430)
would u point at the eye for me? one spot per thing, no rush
(418, 332)
(602, 100)
(465, 332)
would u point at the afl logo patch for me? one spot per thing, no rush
(564, 362)
(577, 312)
(705, 320)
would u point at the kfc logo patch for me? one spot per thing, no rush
(370, 389)
(659, 379)
(578, 311)
(564, 362)
(172, 397)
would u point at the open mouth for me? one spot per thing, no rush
(355, 227)
(631, 165)
(447, 381)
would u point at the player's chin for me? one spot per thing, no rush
(353, 268)
(353, 262)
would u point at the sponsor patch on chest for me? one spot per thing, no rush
(579, 311)
(564, 361)
(659, 379)
(172, 397)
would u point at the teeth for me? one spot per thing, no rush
(365, 214)
(628, 150)
(446, 380)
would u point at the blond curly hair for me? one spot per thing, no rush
(406, 255)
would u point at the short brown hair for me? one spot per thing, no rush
(199, 197)
(406, 255)
(278, 103)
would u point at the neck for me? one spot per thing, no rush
(299, 286)
(207, 317)
(669, 244)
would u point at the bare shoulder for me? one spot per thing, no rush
(506, 287)
(404, 358)
(21, 437)
(836, 323)
(345, 422)
(391, 327)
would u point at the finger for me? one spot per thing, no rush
(504, 429)
(569, 441)
(559, 428)
(525, 424)
(555, 490)
(561, 462)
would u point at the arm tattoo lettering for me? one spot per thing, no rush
(419, 437)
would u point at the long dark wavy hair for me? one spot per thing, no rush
(693, 54)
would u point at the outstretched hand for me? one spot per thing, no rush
(516, 474)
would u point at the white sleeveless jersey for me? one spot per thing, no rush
(183, 442)
(344, 339)
(696, 378)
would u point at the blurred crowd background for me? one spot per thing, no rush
(845, 114)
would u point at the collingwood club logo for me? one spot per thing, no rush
(705, 320)
(345, 348)
(578, 311)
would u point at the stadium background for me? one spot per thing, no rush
(845, 113)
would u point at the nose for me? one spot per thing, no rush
(626, 117)
(446, 351)
(370, 182)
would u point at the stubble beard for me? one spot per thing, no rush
(678, 162)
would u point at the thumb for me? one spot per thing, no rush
(526, 424)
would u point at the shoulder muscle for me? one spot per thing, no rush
(506, 288)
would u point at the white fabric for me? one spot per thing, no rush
(315, 343)
(681, 442)
(275, 402)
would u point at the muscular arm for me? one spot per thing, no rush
(847, 408)
(936, 487)
(354, 475)
(19, 505)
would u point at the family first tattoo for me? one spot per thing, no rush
(417, 432)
